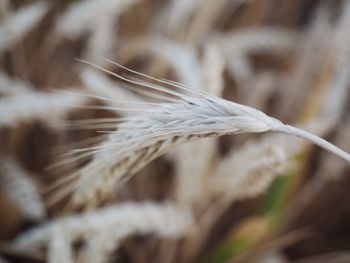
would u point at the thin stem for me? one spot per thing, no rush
(287, 129)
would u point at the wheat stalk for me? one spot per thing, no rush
(181, 57)
(59, 246)
(19, 24)
(96, 17)
(180, 11)
(102, 39)
(140, 139)
(194, 160)
(85, 16)
(261, 39)
(237, 45)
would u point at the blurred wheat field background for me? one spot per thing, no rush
(247, 197)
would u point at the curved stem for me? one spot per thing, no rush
(287, 129)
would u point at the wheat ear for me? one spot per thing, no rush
(34, 105)
(140, 139)
(104, 229)
(21, 189)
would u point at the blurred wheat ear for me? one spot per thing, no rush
(104, 229)
(158, 127)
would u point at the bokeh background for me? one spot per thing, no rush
(287, 58)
